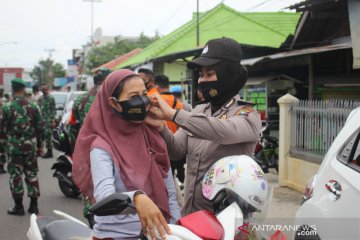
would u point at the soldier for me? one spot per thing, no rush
(223, 126)
(22, 127)
(83, 103)
(47, 106)
(36, 93)
(2, 142)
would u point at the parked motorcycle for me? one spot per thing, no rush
(235, 185)
(267, 150)
(63, 164)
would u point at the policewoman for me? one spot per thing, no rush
(222, 126)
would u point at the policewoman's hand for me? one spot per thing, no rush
(150, 216)
(160, 109)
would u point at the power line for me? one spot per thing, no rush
(257, 5)
(174, 14)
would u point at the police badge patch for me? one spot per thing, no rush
(244, 111)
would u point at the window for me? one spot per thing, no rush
(350, 154)
(356, 156)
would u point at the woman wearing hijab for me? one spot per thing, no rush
(117, 152)
(222, 126)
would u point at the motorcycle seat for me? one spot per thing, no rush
(204, 224)
(43, 221)
(65, 229)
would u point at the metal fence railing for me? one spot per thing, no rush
(315, 124)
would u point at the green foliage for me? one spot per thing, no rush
(46, 70)
(100, 55)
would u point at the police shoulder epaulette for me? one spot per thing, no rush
(243, 102)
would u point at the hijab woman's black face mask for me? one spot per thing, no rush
(134, 109)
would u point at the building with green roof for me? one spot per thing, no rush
(264, 30)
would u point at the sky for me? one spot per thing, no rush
(30, 28)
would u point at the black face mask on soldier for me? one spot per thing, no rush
(210, 90)
(134, 109)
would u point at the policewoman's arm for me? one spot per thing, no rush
(176, 143)
(235, 129)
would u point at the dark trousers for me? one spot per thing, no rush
(180, 170)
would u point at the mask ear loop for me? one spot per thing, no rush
(113, 98)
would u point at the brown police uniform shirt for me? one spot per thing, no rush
(204, 138)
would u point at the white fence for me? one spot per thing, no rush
(315, 124)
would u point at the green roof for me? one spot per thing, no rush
(268, 29)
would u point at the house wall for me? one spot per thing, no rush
(179, 75)
(176, 71)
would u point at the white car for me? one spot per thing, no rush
(62, 100)
(332, 198)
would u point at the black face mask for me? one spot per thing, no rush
(134, 109)
(210, 90)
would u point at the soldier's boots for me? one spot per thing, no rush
(48, 154)
(18, 209)
(33, 208)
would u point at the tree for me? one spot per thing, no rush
(46, 70)
(103, 54)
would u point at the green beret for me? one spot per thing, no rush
(18, 82)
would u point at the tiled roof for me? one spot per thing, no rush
(113, 63)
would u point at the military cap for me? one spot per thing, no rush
(18, 82)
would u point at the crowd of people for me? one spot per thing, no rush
(132, 133)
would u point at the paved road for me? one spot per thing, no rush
(15, 227)
(285, 201)
(284, 204)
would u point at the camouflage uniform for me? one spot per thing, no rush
(22, 125)
(2, 144)
(80, 109)
(48, 111)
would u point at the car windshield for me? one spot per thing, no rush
(59, 98)
(74, 95)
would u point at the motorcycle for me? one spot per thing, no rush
(267, 150)
(231, 211)
(63, 165)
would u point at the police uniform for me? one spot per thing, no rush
(205, 138)
(22, 128)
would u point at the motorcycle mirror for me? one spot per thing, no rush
(111, 205)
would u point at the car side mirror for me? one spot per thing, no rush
(113, 204)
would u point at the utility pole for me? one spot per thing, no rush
(197, 24)
(50, 52)
(92, 19)
(49, 74)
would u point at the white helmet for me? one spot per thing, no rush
(242, 176)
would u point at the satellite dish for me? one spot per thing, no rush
(97, 35)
